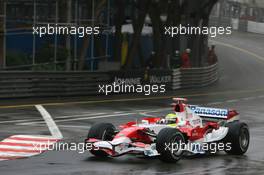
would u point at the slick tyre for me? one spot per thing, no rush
(238, 136)
(168, 144)
(101, 131)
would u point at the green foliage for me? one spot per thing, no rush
(17, 59)
(44, 59)
(46, 54)
(48, 67)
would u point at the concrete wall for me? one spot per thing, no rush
(255, 27)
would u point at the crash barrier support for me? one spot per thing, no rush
(198, 77)
(50, 84)
(176, 79)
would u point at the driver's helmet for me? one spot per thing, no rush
(171, 118)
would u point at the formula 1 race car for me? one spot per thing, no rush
(190, 129)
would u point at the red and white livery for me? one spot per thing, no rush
(189, 129)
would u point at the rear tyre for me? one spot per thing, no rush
(238, 137)
(168, 143)
(101, 131)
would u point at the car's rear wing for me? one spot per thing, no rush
(214, 113)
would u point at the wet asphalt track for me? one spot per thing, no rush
(241, 86)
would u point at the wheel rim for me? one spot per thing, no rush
(244, 139)
(107, 134)
(178, 152)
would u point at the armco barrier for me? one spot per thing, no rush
(151, 77)
(255, 27)
(176, 79)
(198, 77)
(50, 84)
(58, 84)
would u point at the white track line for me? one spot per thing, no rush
(81, 118)
(59, 117)
(145, 114)
(14, 121)
(55, 132)
(85, 114)
(36, 146)
(22, 141)
(118, 112)
(66, 126)
(79, 115)
(215, 103)
(261, 96)
(74, 126)
(15, 154)
(232, 101)
(249, 98)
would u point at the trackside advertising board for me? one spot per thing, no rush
(143, 77)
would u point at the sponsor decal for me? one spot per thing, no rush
(160, 79)
(209, 112)
(131, 81)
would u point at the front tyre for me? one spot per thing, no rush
(238, 137)
(169, 143)
(101, 131)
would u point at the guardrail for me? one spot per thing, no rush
(198, 77)
(58, 84)
(50, 84)
(176, 79)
